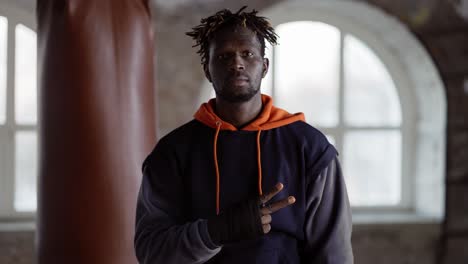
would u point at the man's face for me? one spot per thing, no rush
(236, 65)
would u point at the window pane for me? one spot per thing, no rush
(25, 171)
(372, 167)
(371, 98)
(307, 67)
(3, 67)
(25, 76)
(267, 82)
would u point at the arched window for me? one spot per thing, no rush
(347, 92)
(374, 91)
(18, 114)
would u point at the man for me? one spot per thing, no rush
(202, 196)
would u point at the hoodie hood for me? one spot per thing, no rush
(270, 117)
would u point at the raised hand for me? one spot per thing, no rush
(247, 220)
(266, 209)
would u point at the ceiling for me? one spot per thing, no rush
(461, 6)
(163, 4)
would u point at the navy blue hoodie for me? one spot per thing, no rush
(207, 165)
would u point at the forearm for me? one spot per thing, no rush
(328, 219)
(162, 235)
(159, 241)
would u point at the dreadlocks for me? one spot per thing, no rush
(206, 31)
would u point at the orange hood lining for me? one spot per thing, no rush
(270, 117)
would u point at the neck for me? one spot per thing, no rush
(239, 114)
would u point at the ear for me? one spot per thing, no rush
(266, 65)
(207, 72)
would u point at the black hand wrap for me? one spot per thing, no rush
(237, 223)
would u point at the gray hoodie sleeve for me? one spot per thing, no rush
(328, 218)
(161, 235)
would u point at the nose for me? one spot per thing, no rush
(237, 63)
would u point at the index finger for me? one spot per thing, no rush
(273, 207)
(267, 196)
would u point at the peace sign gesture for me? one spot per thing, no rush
(266, 209)
(240, 222)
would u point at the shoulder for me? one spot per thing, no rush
(308, 134)
(181, 133)
(175, 140)
(318, 151)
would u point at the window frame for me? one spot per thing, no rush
(420, 90)
(421, 93)
(8, 130)
(339, 131)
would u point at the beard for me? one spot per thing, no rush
(237, 95)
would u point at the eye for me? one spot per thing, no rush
(223, 56)
(248, 54)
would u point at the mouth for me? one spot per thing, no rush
(238, 80)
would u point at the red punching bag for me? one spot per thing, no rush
(96, 125)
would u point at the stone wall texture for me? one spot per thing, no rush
(17, 247)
